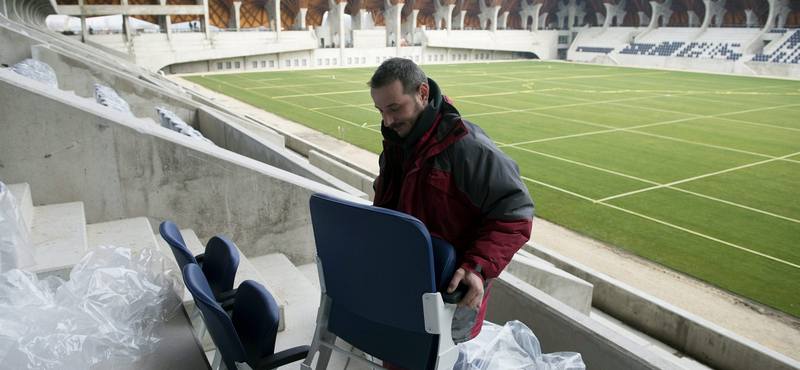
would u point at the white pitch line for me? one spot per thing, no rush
(697, 177)
(735, 204)
(666, 224)
(305, 95)
(557, 188)
(587, 165)
(702, 235)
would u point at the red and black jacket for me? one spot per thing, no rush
(450, 175)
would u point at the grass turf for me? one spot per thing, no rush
(698, 172)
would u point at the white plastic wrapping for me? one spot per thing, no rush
(512, 347)
(108, 315)
(171, 121)
(16, 248)
(109, 97)
(36, 70)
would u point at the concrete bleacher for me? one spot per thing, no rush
(78, 72)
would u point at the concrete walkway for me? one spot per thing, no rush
(751, 320)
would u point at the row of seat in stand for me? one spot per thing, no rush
(243, 322)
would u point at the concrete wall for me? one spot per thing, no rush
(348, 175)
(372, 38)
(155, 51)
(774, 69)
(543, 43)
(561, 328)
(71, 149)
(346, 171)
(687, 333)
(238, 139)
(14, 45)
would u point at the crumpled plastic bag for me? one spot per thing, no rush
(512, 347)
(110, 313)
(16, 248)
(37, 71)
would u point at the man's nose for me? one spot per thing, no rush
(387, 120)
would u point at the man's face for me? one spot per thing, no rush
(400, 111)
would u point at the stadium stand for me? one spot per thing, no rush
(705, 50)
(666, 48)
(638, 49)
(788, 52)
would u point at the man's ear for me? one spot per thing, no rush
(424, 92)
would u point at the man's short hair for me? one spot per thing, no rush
(408, 72)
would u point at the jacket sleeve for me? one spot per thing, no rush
(492, 182)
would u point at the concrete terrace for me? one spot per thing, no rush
(89, 175)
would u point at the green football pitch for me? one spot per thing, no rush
(698, 172)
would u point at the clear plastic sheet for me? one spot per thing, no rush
(173, 122)
(512, 347)
(16, 248)
(36, 70)
(109, 97)
(110, 313)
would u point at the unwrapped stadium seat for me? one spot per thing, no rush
(380, 278)
(245, 339)
(219, 262)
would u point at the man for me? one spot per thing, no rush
(449, 174)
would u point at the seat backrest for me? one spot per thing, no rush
(217, 322)
(220, 263)
(170, 232)
(376, 265)
(256, 319)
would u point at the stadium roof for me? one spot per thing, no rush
(254, 12)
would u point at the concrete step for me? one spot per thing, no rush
(133, 233)
(299, 296)
(311, 273)
(59, 233)
(302, 298)
(22, 193)
(646, 341)
(555, 282)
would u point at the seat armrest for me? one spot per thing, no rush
(199, 259)
(284, 357)
(456, 295)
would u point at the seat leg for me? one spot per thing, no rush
(325, 352)
(217, 364)
(321, 334)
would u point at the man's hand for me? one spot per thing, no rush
(474, 295)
